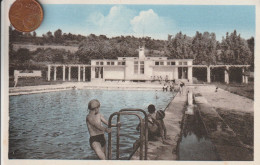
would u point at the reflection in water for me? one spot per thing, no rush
(53, 126)
(195, 144)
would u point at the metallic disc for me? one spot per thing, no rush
(26, 15)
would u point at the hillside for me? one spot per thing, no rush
(27, 50)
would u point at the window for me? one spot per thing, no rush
(101, 63)
(168, 63)
(161, 63)
(113, 63)
(184, 63)
(141, 67)
(97, 63)
(136, 67)
(108, 63)
(121, 63)
(156, 62)
(172, 63)
(180, 63)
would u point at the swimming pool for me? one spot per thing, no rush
(53, 126)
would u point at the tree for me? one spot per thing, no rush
(204, 48)
(58, 36)
(179, 47)
(235, 50)
(34, 34)
(23, 55)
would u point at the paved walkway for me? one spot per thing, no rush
(84, 85)
(173, 117)
(224, 99)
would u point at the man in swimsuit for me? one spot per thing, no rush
(94, 122)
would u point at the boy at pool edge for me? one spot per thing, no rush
(156, 126)
(94, 122)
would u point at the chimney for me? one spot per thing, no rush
(141, 51)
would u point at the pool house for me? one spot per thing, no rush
(146, 68)
(141, 68)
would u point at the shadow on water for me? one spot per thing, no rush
(194, 143)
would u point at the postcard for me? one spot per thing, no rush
(136, 81)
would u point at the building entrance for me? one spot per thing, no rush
(99, 72)
(182, 72)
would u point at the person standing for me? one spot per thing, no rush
(94, 122)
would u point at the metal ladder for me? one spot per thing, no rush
(143, 135)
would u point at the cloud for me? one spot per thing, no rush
(117, 22)
(124, 21)
(151, 24)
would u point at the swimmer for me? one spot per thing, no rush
(94, 122)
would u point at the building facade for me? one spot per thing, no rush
(141, 68)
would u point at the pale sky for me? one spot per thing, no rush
(156, 21)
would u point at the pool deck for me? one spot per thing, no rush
(81, 85)
(173, 118)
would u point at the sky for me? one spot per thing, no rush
(156, 21)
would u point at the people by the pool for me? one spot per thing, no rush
(94, 123)
(156, 126)
(182, 84)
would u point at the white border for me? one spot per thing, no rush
(4, 82)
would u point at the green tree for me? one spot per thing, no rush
(58, 36)
(235, 50)
(204, 48)
(179, 47)
(34, 34)
(251, 46)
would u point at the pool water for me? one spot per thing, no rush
(195, 143)
(53, 125)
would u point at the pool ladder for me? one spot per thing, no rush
(143, 135)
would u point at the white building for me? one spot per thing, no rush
(141, 68)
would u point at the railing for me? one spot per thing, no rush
(143, 135)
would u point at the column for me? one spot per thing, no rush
(243, 75)
(69, 76)
(208, 74)
(84, 73)
(55, 72)
(92, 73)
(226, 75)
(63, 75)
(49, 72)
(190, 74)
(78, 73)
(246, 79)
(175, 73)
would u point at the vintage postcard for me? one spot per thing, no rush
(136, 81)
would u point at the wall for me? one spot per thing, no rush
(114, 73)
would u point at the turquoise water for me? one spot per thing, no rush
(53, 125)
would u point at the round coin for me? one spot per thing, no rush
(26, 15)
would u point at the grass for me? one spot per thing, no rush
(246, 90)
(241, 122)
